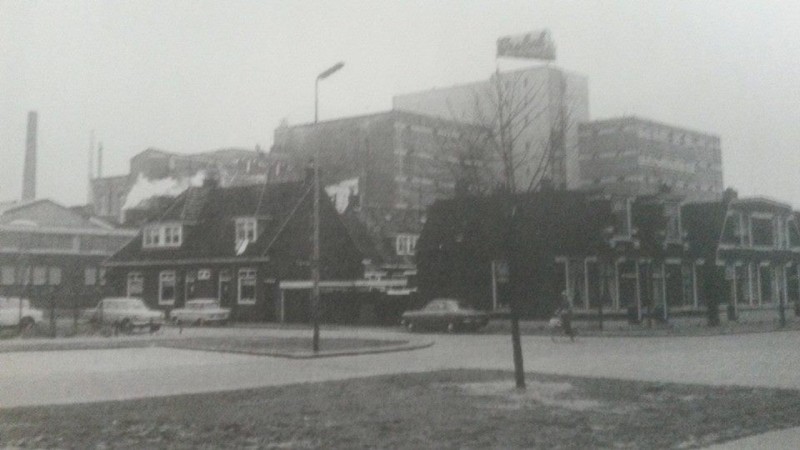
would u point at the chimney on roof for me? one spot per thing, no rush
(29, 170)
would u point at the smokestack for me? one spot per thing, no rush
(89, 194)
(100, 161)
(29, 170)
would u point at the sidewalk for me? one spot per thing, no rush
(774, 440)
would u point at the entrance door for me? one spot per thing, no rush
(226, 293)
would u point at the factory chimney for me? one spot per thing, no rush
(29, 170)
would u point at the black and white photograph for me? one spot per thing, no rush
(399, 224)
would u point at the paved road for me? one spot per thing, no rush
(769, 359)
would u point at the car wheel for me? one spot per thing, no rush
(126, 327)
(451, 327)
(26, 324)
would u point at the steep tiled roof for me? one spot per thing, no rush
(208, 215)
(564, 222)
(702, 223)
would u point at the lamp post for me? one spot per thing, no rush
(315, 256)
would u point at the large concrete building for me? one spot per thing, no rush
(635, 156)
(385, 169)
(154, 170)
(541, 107)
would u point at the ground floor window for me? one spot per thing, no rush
(166, 287)
(793, 282)
(766, 283)
(627, 279)
(135, 284)
(7, 273)
(742, 285)
(247, 286)
(54, 276)
(39, 275)
(90, 276)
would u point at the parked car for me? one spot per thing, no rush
(201, 311)
(126, 314)
(11, 315)
(445, 313)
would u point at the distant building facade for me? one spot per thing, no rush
(385, 169)
(50, 253)
(634, 156)
(232, 167)
(539, 101)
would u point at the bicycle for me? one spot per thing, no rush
(557, 328)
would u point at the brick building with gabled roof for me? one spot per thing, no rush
(235, 244)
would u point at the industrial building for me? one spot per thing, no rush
(540, 108)
(385, 169)
(635, 156)
(155, 172)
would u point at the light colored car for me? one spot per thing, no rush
(126, 313)
(445, 313)
(11, 315)
(201, 311)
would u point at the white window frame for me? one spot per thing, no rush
(8, 275)
(406, 244)
(162, 235)
(133, 278)
(89, 276)
(54, 276)
(39, 275)
(246, 229)
(247, 275)
(164, 277)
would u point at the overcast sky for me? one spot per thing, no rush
(191, 76)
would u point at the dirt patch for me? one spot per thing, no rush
(499, 394)
(447, 409)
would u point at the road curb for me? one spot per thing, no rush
(312, 355)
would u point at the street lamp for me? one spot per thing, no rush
(315, 256)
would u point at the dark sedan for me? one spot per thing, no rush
(446, 314)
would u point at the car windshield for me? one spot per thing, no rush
(445, 305)
(123, 303)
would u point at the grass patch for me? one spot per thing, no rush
(266, 345)
(447, 409)
(273, 345)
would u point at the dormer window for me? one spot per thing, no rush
(246, 230)
(406, 244)
(162, 235)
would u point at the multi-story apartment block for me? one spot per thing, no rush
(634, 156)
(539, 108)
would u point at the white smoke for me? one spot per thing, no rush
(340, 193)
(169, 187)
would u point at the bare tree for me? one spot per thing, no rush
(516, 130)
